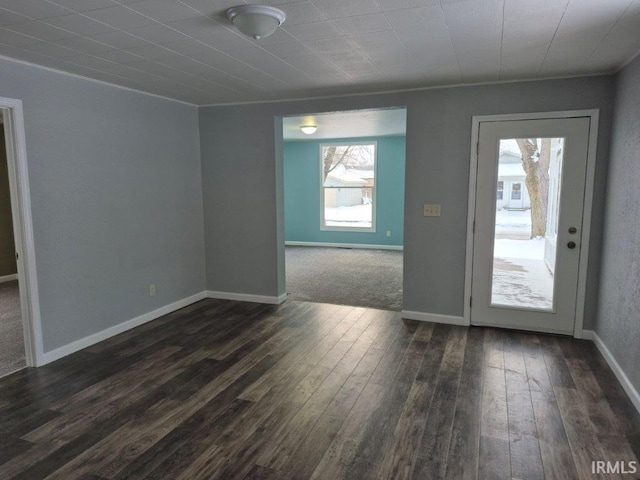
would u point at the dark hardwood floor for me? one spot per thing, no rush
(229, 390)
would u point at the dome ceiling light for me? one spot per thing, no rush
(256, 21)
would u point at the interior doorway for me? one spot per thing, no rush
(12, 344)
(344, 178)
(20, 329)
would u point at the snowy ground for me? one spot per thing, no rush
(353, 216)
(520, 275)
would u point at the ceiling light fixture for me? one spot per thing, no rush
(308, 129)
(256, 21)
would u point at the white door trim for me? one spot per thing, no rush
(23, 227)
(586, 216)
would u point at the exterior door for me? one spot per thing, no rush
(515, 199)
(526, 262)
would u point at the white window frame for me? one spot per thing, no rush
(374, 193)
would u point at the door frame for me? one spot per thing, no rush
(593, 114)
(23, 229)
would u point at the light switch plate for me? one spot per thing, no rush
(431, 210)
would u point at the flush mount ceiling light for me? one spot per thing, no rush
(256, 21)
(309, 129)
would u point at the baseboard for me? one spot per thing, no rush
(345, 245)
(633, 394)
(247, 297)
(85, 342)
(433, 317)
(8, 278)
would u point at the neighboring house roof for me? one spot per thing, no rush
(510, 170)
(342, 176)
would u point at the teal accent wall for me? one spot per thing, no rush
(302, 193)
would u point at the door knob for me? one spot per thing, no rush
(571, 245)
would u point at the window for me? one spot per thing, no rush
(348, 187)
(500, 192)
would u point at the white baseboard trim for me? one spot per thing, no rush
(247, 297)
(85, 342)
(433, 317)
(8, 278)
(634, 396)
(345, 245)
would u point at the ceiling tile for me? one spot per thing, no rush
(10, 18)
(289, 49)
(41, 30)
(195, 26)
(119, 40)
(84, 45)
(51, 50)
(151, 51)
(84, 5)
(118, 56)
(374, 22)
(157, 34)
(415, 17)
(165, 10)
(302, 12)
(120, 17)
(314, 31)
(390, 5)
(210, 7)
(336, 44)
(539, 8)
(89, 61)
(37, 9)
(79, 24)
(340, 8)
(16, 39)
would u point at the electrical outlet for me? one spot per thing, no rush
(431, 210)
(152, 290)
(388, 233)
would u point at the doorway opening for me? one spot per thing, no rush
(344, 180)
(20, 329)
(12, 344)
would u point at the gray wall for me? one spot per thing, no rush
(241, 164)
(618, 322)
(116, 192)
(7, 246)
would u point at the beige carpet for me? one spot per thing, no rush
(362, 278)
(11, 335)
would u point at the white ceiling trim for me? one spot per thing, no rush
(93, 80)
(417, 89)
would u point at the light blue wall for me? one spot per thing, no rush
(302, 193)
(116, 200)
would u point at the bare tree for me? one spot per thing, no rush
(333, 158)
(535, 161)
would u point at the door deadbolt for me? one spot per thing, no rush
(571, 245)
(572, 230)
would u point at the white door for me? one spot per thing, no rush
(515, 196)
(526, 263)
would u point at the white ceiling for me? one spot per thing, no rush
(189, 51)
(357, 123)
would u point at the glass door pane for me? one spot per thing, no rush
(526, 222)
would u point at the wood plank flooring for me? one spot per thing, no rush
(231, 390)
